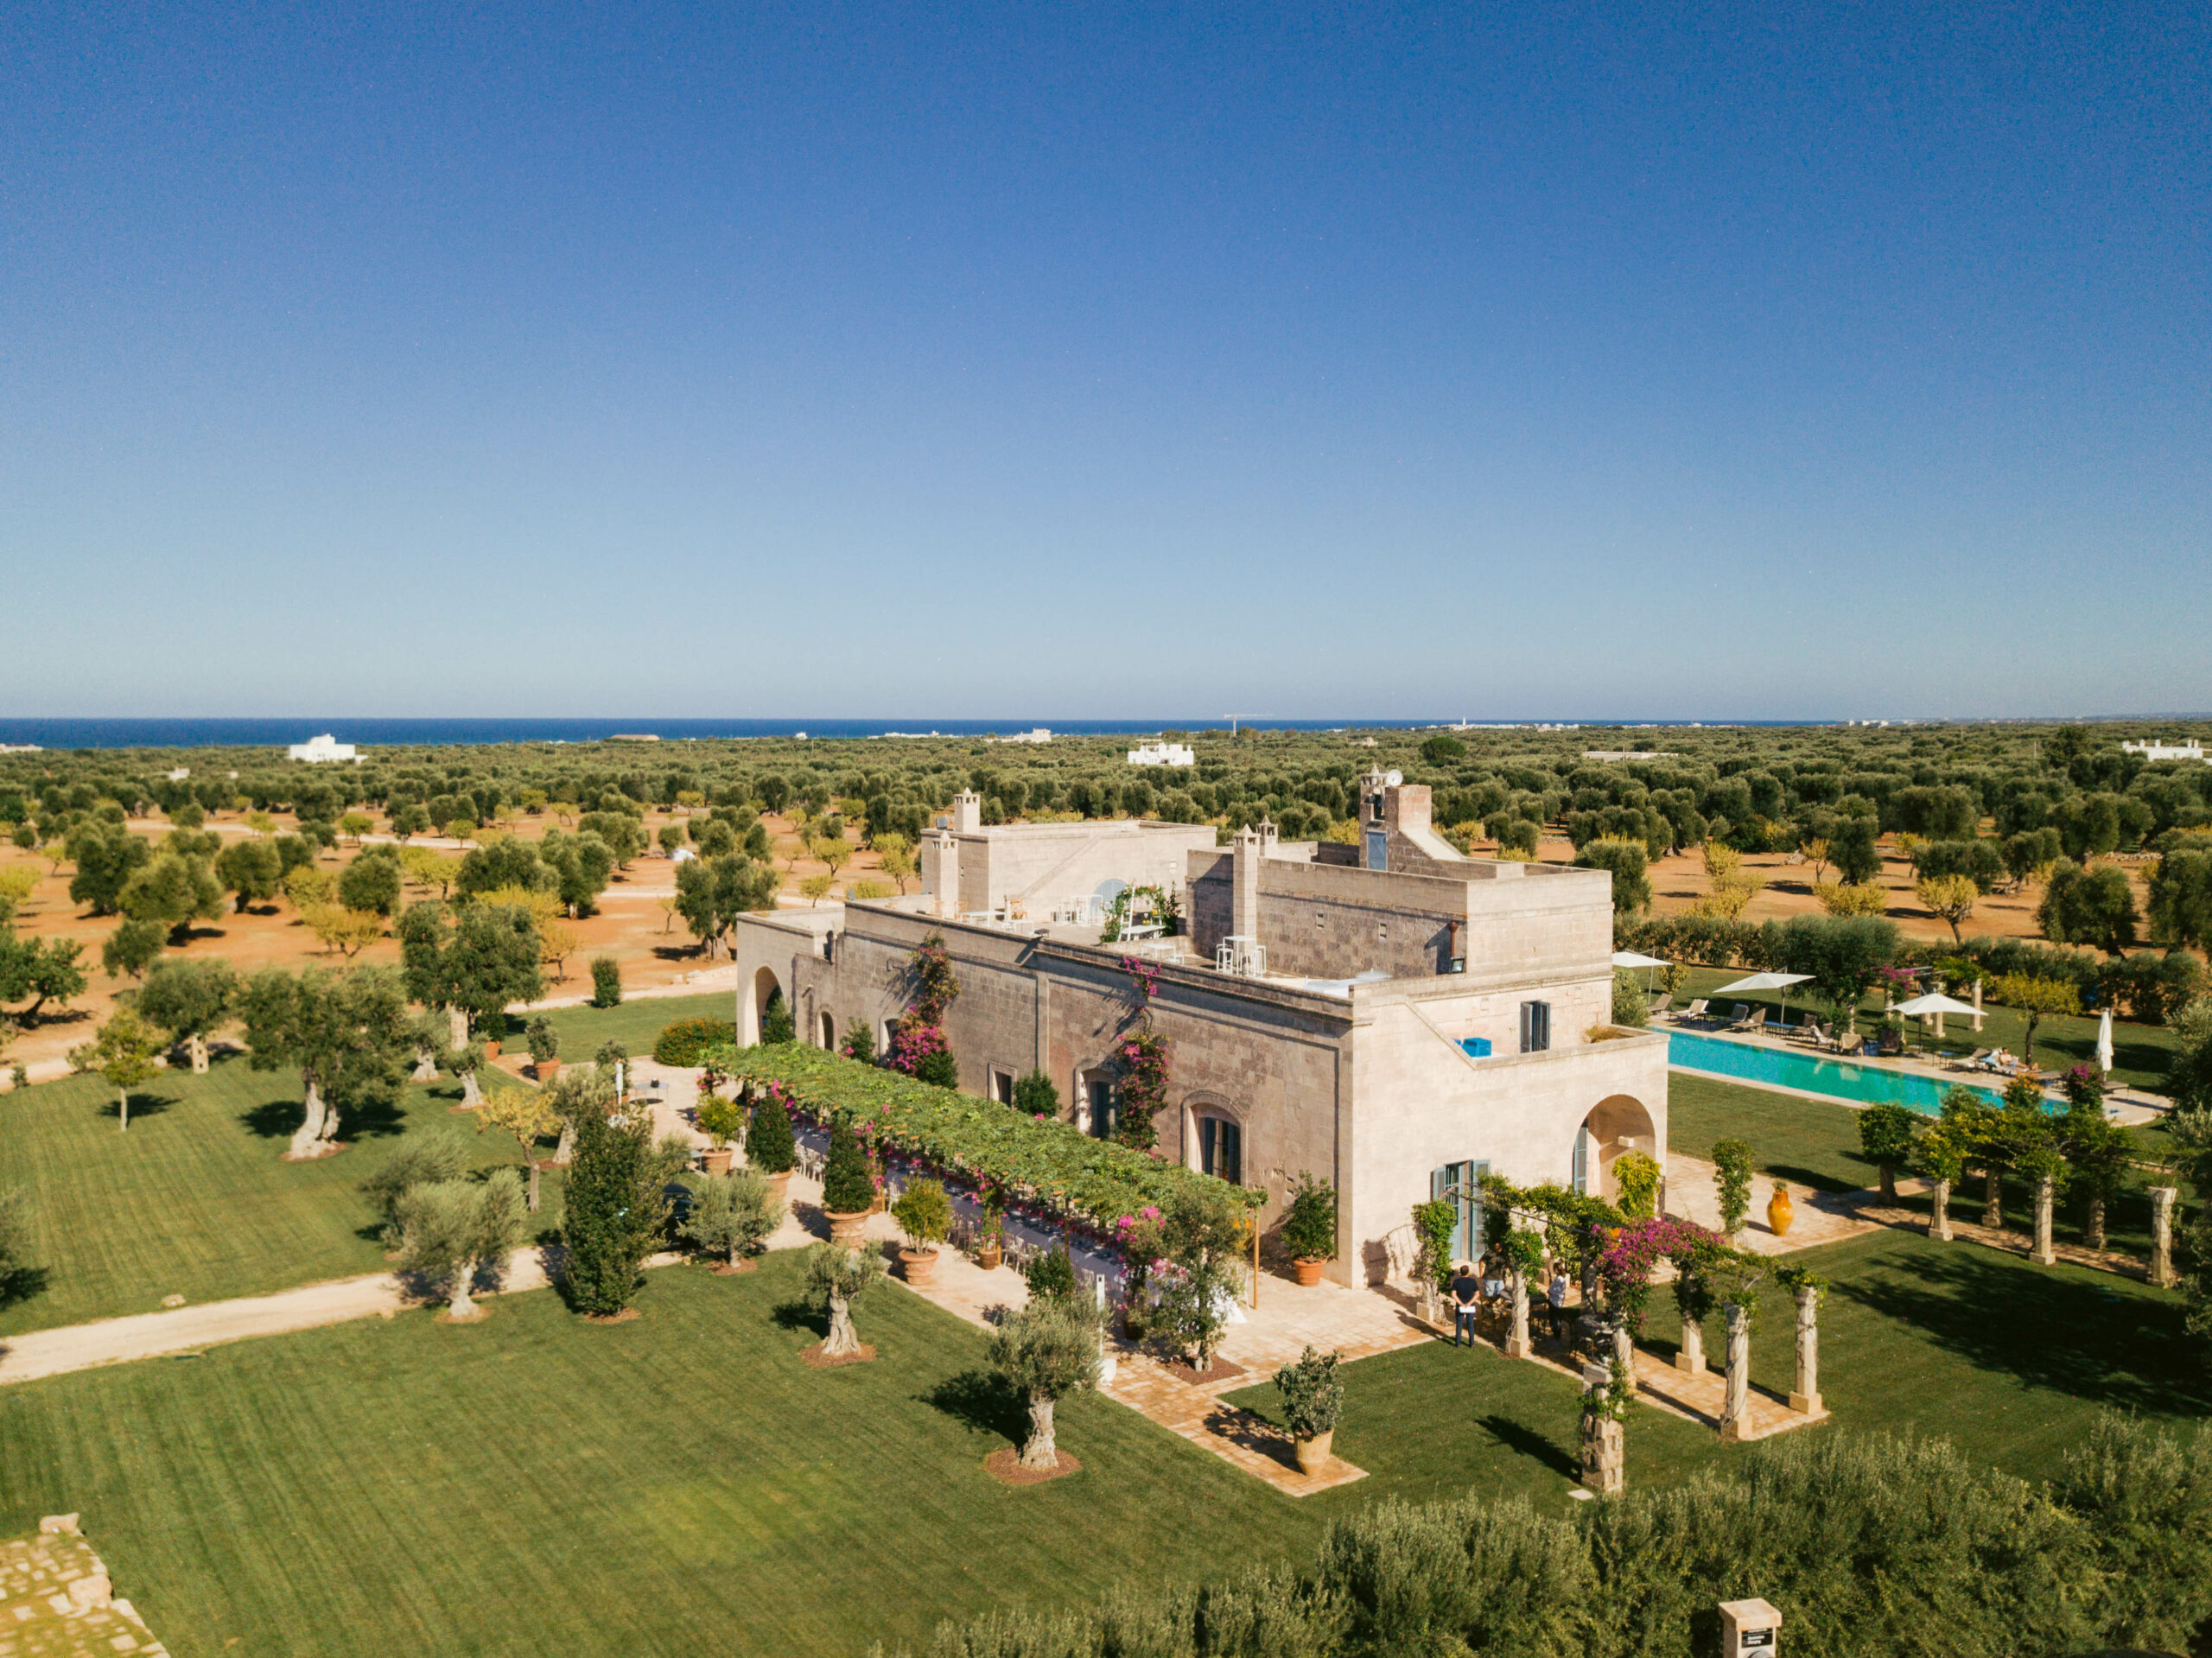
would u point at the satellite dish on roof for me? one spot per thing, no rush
(1392, 780)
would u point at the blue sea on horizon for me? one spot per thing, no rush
(390, 733)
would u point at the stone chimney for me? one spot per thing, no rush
(945, 886)
(1245, 884)
(967, 812)
(1270, 837)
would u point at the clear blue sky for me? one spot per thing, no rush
(753, 360)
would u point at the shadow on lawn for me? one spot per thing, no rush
(366, 1120)
(984, 1402)
(141, 1105)
(2093, 1339)
(802, 1315)
(1523, 1441)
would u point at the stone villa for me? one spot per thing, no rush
(1393, 1016)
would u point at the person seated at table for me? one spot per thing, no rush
(1466, 1297)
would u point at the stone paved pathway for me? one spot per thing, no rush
(56, 1600)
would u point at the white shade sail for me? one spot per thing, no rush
(1932, 1003)
(1765, 981)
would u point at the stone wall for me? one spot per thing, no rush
(1045, 863)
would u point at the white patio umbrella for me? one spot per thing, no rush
(1628, 958)
(1781, 981)
(1922, 1006)
(2104, 1041)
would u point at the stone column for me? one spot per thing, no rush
(1805, 1397)
(1993, 1198)
(1517, 1344)
(2162, 1236)
(2046, 1197)
(1939, 1210)
(1977, 1007)
(1603, 1463)
(1736, 1401)
(1691, 1360)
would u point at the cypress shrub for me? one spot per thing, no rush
(614, 1211)
(846, 1186)
(605, 982)
(768, 1144)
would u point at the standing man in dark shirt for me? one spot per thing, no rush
(1467, 1295)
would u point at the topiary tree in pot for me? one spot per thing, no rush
(1312, 1401)
(1047, 1350)
(925, 1214)
(770, 1145)
(841, 1275)
(848, 1192)
(1309, 1227)
(544, 1048)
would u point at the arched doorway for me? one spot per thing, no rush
(829, 1033)
(1619, 1123)
(762, 993)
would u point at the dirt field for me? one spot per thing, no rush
(634, 925)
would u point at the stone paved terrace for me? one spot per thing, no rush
(1820, 1218)
(56, 1600)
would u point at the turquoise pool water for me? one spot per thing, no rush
(1841, 1079)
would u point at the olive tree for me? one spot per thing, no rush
(841, 1275)
(122, 1052)
(174, 891)
(734, 1214)
(345, 1034)
(1047, 1350)
(190, 1000)
(525, 1117)
(253, 871)
(450, 1230)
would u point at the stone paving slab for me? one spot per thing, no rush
(56, 1600)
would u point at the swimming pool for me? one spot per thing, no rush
(1841, 1079)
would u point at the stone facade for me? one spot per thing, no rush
(969, 868)
(1373, 1081)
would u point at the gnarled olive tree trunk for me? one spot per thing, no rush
(459, 1306)
(843, 1338)
(1040, 1450)
(470, 1094)
(318, 1130)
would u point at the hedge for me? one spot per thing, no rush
(687, 1040)
(1047, 1166)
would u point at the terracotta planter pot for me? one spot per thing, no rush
(545, 1070)
(1313, 1454)
(492, 1049)
(1309, 1272)
(989, 1256)
(847, 1229)
(718, 1159)
(780, 1185)
(920, 1265)
(1780, 1212)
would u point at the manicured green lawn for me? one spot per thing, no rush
(1808, 1143)
(634, 1023)
(193, 1199)
(2142, 1054)
(2009, 1360)
(681, 1484)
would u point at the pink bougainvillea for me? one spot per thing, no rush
(1634, 1252)
(1143, 1055)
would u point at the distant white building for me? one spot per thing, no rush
(1163, 754)
(2155, 750)
(324, 751)
(21, 748)
(1035, 734)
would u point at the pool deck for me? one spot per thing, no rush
(2126, 1106)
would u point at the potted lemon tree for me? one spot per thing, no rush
(721, 1121)
(1309, 1227)
(1312, 1400)
(544, 1049)
(925, 1214)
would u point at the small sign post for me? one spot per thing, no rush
(1749, 1629)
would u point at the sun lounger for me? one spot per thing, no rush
(1851, 1044)
(1978, 1060)
(1695, 1010)
(1666, 1000)
(1737, 1019)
